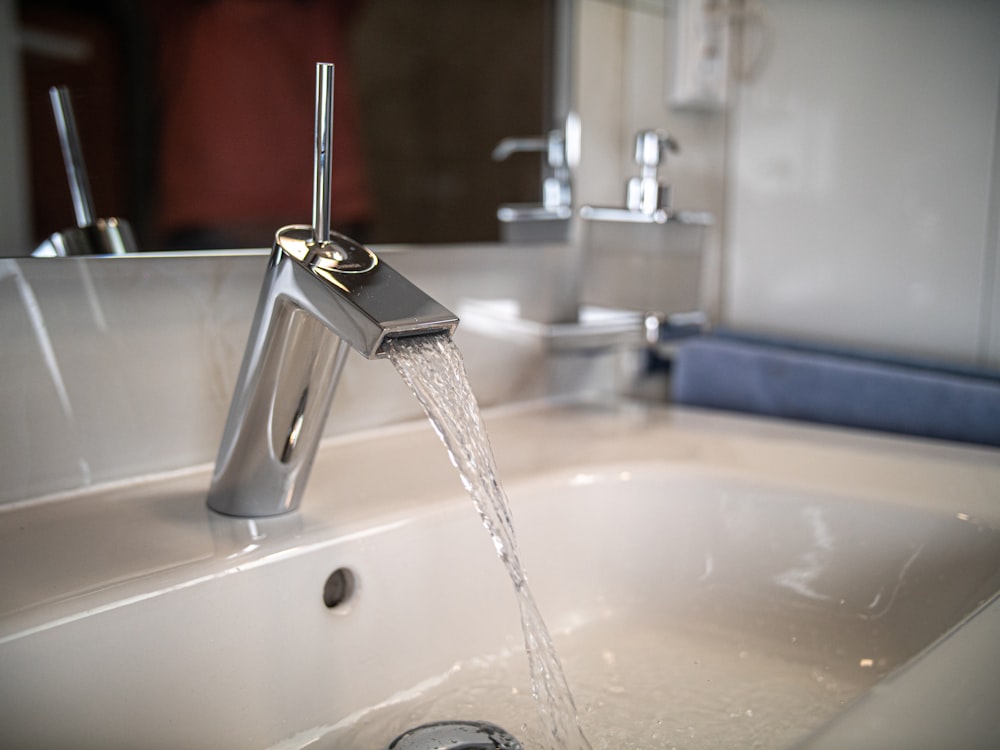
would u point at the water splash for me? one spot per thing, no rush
(433, 368)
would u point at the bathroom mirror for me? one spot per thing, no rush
(438, 84)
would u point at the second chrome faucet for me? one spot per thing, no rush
(323, 294)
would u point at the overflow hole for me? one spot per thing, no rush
(338, 588)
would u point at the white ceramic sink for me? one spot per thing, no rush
(711, 581)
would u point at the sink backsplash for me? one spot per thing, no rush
(114, 368)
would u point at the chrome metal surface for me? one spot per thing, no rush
(76, 168)
(315, 298)
(323, 151)
(321, 290)
(660, 216)
(557, 194)
(360, 297)
(511, 212)
(651, 146)
(507, 147)
(647, 198)
(647, 193)
(456, 735)
(103, 237)
(91, 236)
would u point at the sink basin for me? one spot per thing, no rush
(710, 581)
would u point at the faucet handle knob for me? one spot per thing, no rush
(651, 146)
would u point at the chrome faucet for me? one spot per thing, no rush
(647, 193)
(557, 196)
(91, 235)
(321, 291)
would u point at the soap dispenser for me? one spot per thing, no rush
(645, 256)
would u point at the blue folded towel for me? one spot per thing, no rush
(854, 389)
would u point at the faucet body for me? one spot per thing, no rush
(318, 300)
(323, 294)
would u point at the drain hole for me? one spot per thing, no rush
(338, 588)
(456, 735)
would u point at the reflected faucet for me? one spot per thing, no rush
(556, 191)
(556, 208)
(322, 293)
(91, 235)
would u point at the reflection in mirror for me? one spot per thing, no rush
(190, 112)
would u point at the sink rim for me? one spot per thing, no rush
(930, 475)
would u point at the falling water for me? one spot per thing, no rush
(433, 368)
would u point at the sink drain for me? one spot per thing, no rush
(338, 588)
(456, 735)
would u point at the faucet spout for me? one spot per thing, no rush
(316, 297)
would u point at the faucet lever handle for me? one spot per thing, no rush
(76, 168)
(553, 145)
(323, 152)
(518, 144)
(651, 146)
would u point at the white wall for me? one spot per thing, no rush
(855, 177)
(863, 178)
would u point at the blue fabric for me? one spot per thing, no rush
(866, 355)
(797, 382)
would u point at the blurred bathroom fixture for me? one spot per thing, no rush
(647, 193)
(701, 69)
(90, 236)
(547, 221)
(705, 60)
(645, 256)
